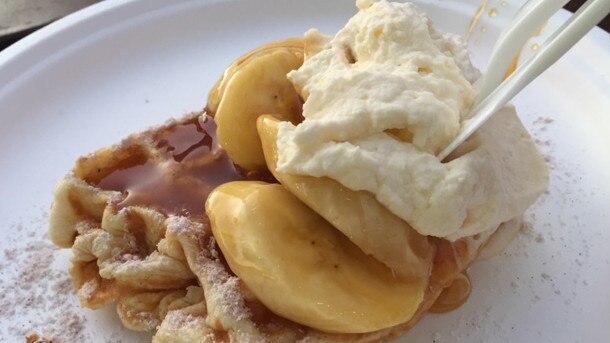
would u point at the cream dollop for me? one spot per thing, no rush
(383, 97)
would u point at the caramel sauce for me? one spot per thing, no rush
(511, 69)
(449, 284)
(454, 296)
(513, 66)
(187, 165)
(33, 338)
(221, 336)
(475, 20)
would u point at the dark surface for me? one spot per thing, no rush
(35, 14)
(573, 5)
(18, 18)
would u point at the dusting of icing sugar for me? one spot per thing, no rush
(225, 302)
(212, 248)
(179, 320)
(182, 225)
(227, 295)
(146, 318)
(87, 290)
(37, 302)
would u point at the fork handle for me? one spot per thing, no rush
(530, 17)
(587, 16)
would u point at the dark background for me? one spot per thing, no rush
(19, 18)
(573, 5)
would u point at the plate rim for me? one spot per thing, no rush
(13, 67)
(27, 43)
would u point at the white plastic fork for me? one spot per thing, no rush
(532, 15)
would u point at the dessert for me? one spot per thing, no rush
(294, 207)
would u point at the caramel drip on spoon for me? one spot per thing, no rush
(475, 20)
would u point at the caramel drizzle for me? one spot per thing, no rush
(187, 165)
(475, 20)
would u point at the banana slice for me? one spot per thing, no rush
(358, 215)
(303, 269)
(453, 296)
(255, 84)
(293, 44)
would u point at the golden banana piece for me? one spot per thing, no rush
(253, 85)
(300, 267)
(358, 215)
(216, 93)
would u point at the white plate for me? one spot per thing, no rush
(115, 68)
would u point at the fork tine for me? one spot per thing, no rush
(530, 17)
(591, 13)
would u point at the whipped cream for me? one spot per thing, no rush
(383, 97)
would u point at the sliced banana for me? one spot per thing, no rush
(253, 85)
(215, 95)
(501, 238)
(303, 269)
(358, 215)
(453, 296)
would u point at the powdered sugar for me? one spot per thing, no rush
(182, 225)
(87, 290)
(37, 297)
(146, 318)
(31, 287)
(178, 319)
(227, 295)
